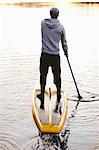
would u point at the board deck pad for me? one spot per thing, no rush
(47, 120)
(49, 106)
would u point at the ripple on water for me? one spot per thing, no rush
(8, 142)
(89, 98)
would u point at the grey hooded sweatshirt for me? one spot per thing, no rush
(52, 32)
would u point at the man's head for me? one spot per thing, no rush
(54, 13)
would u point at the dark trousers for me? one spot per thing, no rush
(47, 60)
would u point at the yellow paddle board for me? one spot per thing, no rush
(47, 120)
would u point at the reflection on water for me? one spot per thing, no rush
(50, 141)
(20, 45)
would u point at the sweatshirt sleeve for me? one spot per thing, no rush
(64, 42)
(42, 29)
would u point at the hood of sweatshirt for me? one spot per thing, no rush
(52, 23)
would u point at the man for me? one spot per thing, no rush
(52, 32)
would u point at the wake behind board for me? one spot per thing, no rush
(47, 120)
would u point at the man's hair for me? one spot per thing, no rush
(54, 13)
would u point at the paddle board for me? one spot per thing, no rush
(47, 120)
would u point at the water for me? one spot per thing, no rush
(20, 45)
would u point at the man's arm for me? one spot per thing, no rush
(64, 43)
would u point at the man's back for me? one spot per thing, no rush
(52, 32)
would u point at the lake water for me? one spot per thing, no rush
(20, 47)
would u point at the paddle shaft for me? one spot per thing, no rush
(79, 96)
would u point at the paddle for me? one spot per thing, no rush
(79, 96)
